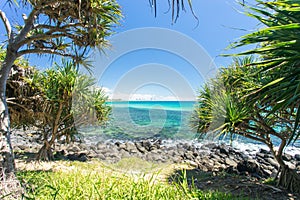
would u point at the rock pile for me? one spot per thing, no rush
(206, 157)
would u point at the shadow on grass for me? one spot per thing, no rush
(58, 156)
(240, 187)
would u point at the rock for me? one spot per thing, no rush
(124, 154)
(272, 162)
(140, 147)
(216, 157)
(191, 163)
(298, 166)
(114, 155)
(287, 157)
(209, 146)
(203, 168)
(146, 144)
(250, 166)
(152, 157)
(219, 166)
(263, 151)
(101, 156)
(78, 157)
(73, 148)
(297, 157)
(176, 159)
(130, 147)
(224, 150)
(291, 165)
(207, 162)
(122, 146)
(230, 162)
(100, 146)
(189, 155)
(260, 155)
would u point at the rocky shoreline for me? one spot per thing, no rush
(210, 157)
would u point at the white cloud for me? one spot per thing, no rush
(107, 91)
(143, 97)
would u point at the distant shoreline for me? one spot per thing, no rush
(121, 100)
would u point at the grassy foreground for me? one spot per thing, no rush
(96, 181)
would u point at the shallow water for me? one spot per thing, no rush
(168, 120)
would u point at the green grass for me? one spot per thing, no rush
(92, 181)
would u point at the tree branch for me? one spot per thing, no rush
(250, 136)
(46, 36)
(7, 25)
(27, 27)
(46, 51)
(70, 25)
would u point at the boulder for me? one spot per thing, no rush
(287, 157)
(250, 166)
(230, 162)
(224, 149)
(82, 157)
(297, 157)
(130, 147)
(139, 147)
(189, 155)
(272, 162)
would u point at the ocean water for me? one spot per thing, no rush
(168, 120)
(148, 119)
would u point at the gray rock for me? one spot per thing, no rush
(73, 148)
(297, 157)
(260, 155)
(101, 146)
(224, 150)
(272, 162)
(291, 165)
(230, 162)
(191, 163)
(146, 144)
(287, 157)
(130, 147)
(140, 147)
(264, 151)
(78, 157)
(250, 166)
(189, 155)
(207, 161)
(124, 154)
(176, 159)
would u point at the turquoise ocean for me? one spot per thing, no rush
(167, 120)
(148, 119)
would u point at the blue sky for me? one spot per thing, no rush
(220, 23)
(164, 72)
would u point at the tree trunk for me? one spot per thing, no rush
(45, 153)
(9, 184)
(288, 178)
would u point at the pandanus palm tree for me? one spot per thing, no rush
(56, 27)
(68, 102)
(277, 45)
(225, 107)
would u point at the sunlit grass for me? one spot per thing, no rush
(94, 181)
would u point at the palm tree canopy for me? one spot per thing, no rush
(62, 27)
(277, 45)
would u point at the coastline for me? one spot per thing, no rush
(207, 156)
(225, 167)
